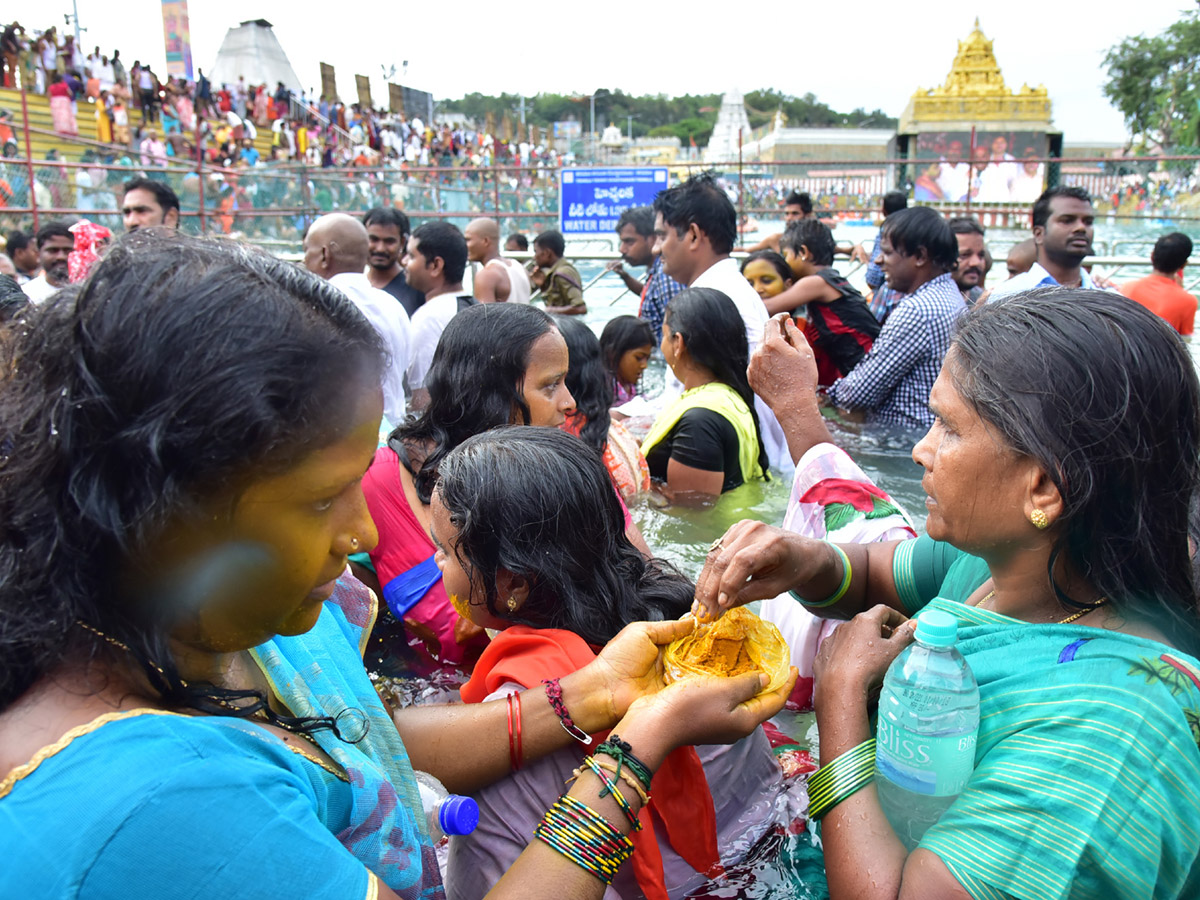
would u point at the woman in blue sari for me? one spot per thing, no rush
(1060, 470)
(183, 706)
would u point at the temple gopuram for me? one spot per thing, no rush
(974, 118)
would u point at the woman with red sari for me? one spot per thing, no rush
(531, 542)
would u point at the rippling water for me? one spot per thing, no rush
(683, 535)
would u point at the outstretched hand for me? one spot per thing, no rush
(857, 655)
(711, 709)
(752, 561)
(783, 367)
(630, 665)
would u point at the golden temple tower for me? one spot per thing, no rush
(975, 94)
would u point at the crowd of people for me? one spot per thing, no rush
(220, 463)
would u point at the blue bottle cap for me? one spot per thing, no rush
(458, 814)
(936, 628)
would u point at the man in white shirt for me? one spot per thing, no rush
(955, 176)
(695, 227)
(1063, 225)
(335, 248)
(55, 243)
(434, 264)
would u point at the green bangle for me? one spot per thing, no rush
(842, 588)
(837, 780)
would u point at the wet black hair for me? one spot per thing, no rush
(476, 381)
(911, 229)
(776, 260)
(894, 201)
(442, 240)
(526, 500)
(1102, 393)
(715, 337)
(1171, 252)
(622, 334)
(965, 225)
(588, 382)
(17, 241)
(163, 195)
(813, 234)
(552, 241)
(700, 201)
(388, 217)
(640, 217)
(54, 229)
(177, 374)
(12, 299)
(800, 199)
(1041, 207)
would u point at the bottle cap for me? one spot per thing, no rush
(936, 628)
(458, 814)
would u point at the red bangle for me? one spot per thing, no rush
(554, 694)
(516, 755)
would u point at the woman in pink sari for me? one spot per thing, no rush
(260, 106)
(184, 106)
(60, 106)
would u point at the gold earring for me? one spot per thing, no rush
(354, 543)
(1039, 519)
(512, 604)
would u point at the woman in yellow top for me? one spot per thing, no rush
(707, 441)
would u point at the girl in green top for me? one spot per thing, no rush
(707, 441)
(1059, 472)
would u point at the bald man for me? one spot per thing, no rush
(1021, 257)
(500, 279)
(336, 249)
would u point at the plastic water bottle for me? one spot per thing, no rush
(927, 727)
(446, 813)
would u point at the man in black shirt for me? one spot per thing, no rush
(388, 231)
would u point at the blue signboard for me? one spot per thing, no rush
(592, 200)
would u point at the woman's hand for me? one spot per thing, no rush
(853, 660)
(783, 367)
(629, 666)
(700, 710)
(783, 371)
(753, 561)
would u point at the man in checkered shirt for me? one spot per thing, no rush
(891, 383)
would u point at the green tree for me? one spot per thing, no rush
(1155, 83)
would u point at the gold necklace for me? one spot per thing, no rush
(1066, 621)
(1083, 612)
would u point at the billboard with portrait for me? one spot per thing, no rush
(1001, 167)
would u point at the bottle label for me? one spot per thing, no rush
(936, 766)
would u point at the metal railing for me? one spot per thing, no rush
(300, 112)
(276, 202)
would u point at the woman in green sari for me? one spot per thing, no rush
(1059, 470)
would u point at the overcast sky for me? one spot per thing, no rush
(870, 53)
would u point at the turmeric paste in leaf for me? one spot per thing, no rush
(738, 643)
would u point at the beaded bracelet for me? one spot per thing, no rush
(842, 588)
(626, 776)
(610, 787)
(516, 752)
(575, 830)
(838, 779)
(623, 754)
(554, 695)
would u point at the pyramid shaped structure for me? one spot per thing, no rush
(975, 92)
(723, 145)
(252, 50)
